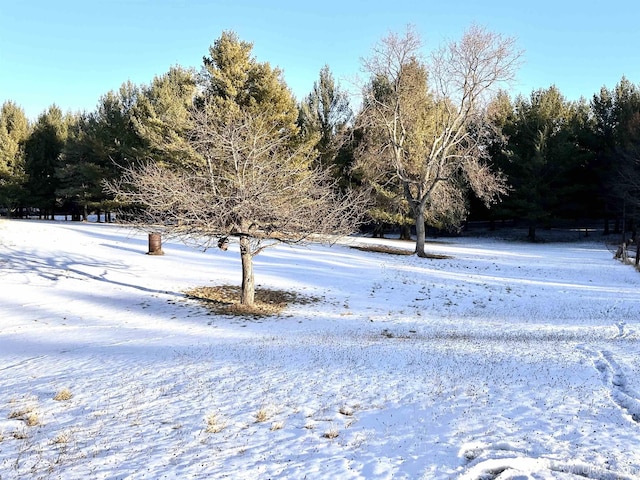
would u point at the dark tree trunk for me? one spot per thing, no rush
(378, 231)
(405, 232)
(420, 233)
(247, 291)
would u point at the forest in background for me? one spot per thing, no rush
(563, 161)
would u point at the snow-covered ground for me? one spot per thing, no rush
(507, 360)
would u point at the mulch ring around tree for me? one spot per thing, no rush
(225, 300)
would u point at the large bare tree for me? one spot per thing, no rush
(425, 121)
(229, 162)
(251, 184)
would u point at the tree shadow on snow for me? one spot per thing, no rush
(52, 268)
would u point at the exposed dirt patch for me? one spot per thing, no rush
(225, 300)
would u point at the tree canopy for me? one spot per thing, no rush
(436, 138)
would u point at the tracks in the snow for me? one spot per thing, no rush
(615, 380)
(497, 461)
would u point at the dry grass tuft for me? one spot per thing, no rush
(277, 426)
(18, 414)
(383, 249)
(262, 415)
(32, 419)
(331, 433)
(215, 424)
(63, 395)
(225, 300)
(346, 411)
(28, 415)
(62, 438)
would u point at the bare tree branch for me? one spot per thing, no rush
(252, 183)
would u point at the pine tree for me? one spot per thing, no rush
(162, 116)
(42, 154)
(325, 113)
(14, 130)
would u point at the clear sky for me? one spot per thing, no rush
(71, 52)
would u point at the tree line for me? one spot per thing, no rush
(436, 140)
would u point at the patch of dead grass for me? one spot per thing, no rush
(225, 300)
(396, 251)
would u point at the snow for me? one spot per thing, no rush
(506, 360)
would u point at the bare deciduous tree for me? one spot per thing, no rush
(251, 184)
(426, 120)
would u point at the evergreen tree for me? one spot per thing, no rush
(42, 154)
(615, 131)
(14, 130)
(547, 159)
(113, 129)
(325, 113)
(235, 84)
(81, 170)
(162, 116)
(625, 183)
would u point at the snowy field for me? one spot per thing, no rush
(505, 361)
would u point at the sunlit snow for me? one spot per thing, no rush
(507, 360)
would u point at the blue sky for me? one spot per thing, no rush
(71, 52)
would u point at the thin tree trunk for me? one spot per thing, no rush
(405, 232)
(420, 233)
(247, 291)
